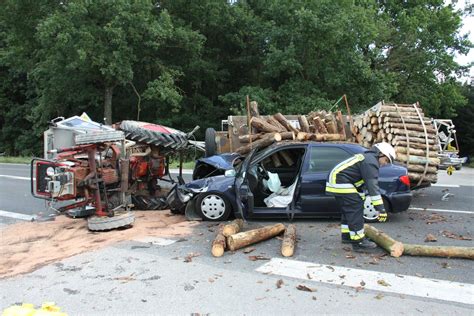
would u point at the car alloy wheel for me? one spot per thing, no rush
(213, 207)
(370, 213)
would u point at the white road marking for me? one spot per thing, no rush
(445, 185)
(14, 215)
(439, 210)
(156, 241)
(15, 177)
(371, 280)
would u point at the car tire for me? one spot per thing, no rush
(213, 206)
(210, 142)
(370, 214)
(458, 167)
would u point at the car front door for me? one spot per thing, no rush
(319, 162)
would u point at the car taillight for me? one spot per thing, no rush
(405, 180)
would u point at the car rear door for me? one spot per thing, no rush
(320, 160)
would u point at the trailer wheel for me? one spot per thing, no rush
(125, 219)
(210, 141)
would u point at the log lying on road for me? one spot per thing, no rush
(439, 251)
(233, 228)
(395, 248)
(219, 243)
(289, 241)
(244, 239)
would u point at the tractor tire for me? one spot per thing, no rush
(210, 142)
(153, 134)
(96, 223)
(148, 203)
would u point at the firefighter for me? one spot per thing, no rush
(346, 182)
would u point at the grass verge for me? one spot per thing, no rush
(11, 159)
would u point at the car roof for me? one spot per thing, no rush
(353, 147)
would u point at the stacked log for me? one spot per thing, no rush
(316, 126)
(410, 132)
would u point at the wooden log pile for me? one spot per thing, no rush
(410, 132)
(317, 126)
(231, 237)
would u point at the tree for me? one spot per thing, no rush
(89, 48)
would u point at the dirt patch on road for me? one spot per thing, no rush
(25, 247)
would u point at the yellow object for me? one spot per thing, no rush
(382, 217)
(47, 309)
(450, 170)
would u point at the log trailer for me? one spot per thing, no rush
(102, 172)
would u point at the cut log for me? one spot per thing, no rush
(287, 157)
(219, 243)
(289, 241)
(412, 127)
(411, 110)
(415, 140)
(233, 228)
(254, 109)
(331, 127)
(401, 143)
(433, 178)
(304, 125)
(283, 121)
(421, 168)
(340, 125)
(271, 120)
(288, 135)
(263, 126)
(418, 160)
(439, 251)
(276, 160)
(391, 119)
(253, 236)
(402, 132)
(319, 137)
(253, 137)
(263, 142)
(320, 127)
(395, 248)
(417, 152)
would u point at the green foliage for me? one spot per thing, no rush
(188, 63)
(464, 123)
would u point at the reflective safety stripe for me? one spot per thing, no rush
(345, 228)
(376, 200)
(343, 165)
(342, 191)
(362, 196)
(340, 185)
(359, 183)
(358, 235)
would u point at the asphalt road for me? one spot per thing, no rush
(163, 283)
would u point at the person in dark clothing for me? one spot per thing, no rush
(346, 182)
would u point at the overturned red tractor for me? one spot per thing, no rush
(105, 172)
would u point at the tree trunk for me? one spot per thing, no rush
(233, 228)
(263, 142)
(263, 126)
(219, 243)
(287, 135)
(283, 121)
(395, 248)
(108, 105)
(421, 168)
(289, 241)
(411, 127)
(439, 251)
(244, 239)
(304, 125)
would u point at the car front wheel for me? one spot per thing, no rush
(213, 207)
(370, 213)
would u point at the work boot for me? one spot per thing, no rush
(365, 245)
(346, 238)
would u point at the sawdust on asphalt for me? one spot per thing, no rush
(25, 247)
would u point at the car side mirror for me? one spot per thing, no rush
(230, 173)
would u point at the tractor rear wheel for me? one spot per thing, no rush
(210, 142)
(153, 134)
(96, 223)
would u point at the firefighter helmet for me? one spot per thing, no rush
(387, 150)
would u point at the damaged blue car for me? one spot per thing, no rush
(284, 180)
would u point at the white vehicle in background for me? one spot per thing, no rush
(448, 153)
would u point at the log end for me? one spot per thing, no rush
(396, 250)
(217, 250)
(287, 251)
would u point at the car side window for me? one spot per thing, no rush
(325, 158)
